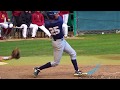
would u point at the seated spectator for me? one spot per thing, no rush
(5, 24)
(65, 15)
(16, 18)
(38, 22)
(25, 21)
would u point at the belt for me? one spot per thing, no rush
(57, 39)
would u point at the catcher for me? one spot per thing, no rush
(14, 55)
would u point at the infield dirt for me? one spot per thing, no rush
(59, 72)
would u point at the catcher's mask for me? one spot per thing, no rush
(51, 14)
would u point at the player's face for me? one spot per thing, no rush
(56, 16)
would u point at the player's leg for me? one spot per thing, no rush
(4, 29)
(37, 69)
(34, 29)
(65, 26)
(9, 29)
(47, 65)
(65, 18)
(65, 29)
(10, 25)
(58, 50)
(58, 46)
(0, 32)
(4, 25)
(24, 32)
(68, 49)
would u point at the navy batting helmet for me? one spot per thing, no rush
(51, 14)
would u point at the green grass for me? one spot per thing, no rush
(89, 45)
(65, 60)
(98, 44)
(91, 49)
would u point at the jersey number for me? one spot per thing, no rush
(54, 30)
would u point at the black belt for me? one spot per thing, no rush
(57, 39)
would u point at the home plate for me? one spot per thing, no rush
(3, 63)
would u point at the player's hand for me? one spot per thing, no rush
(1, 58)
(8, 20)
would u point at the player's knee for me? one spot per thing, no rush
(11, 25)
(5, 26)
(24, 26)
(73, 55)
(36, 28)
(53, 64)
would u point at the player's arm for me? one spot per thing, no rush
(5, 58)
(15, 54)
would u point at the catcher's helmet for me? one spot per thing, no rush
(51, 14)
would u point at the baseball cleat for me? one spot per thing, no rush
(84, 74)
(36, 71)
(77, 73)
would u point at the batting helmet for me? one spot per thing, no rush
(51, 14)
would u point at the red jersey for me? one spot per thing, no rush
(3, 15)
(16, 13)
(64, 12)
(38, 18)
(61, 13)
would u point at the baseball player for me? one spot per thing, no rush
(37, 22)
(15, 54)
(4, 20)
(60, 45)
(5, 24)
(65, 16)
(16, 18)
(25, 21)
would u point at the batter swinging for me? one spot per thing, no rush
(60, 45)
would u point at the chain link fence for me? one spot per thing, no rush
(96, 22)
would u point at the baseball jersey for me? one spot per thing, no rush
(16, 13)
(26, 18)
(55, 27)
(2, 16)
(38, 18)
(64, 12)
(61, 13)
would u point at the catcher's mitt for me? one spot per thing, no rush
(15, 53)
